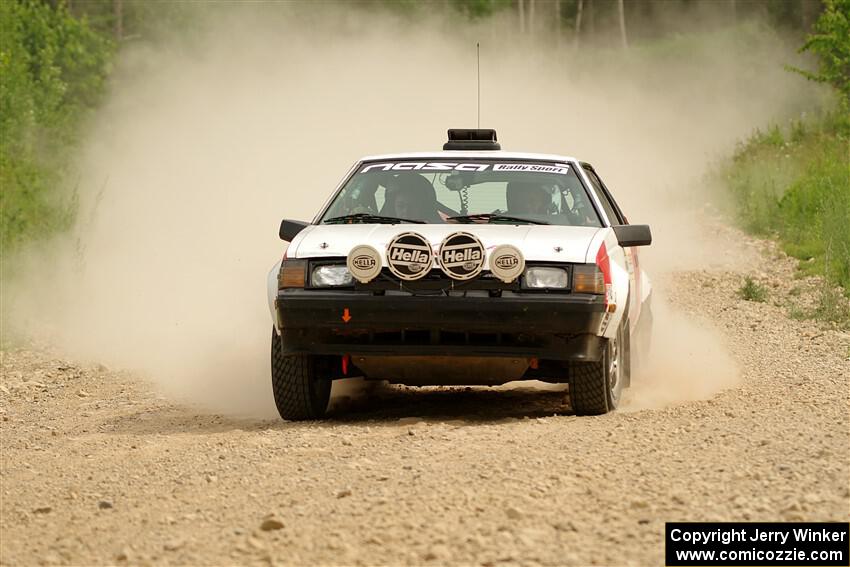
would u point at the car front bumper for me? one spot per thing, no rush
(548, 326)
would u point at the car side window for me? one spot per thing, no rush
(613, 216)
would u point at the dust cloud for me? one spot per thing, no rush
(686, 361)
(206, 142)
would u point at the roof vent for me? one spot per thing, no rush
(472, 139)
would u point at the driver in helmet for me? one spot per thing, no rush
(411, 196)
(528, 198)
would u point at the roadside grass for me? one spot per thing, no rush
(793, 184)
(832, 306)
(829, 306)
(751, 290)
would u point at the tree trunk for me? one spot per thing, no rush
(579, 9)
(531, 16)
(521, 5)
(118, 15)
(622, 11)
(809, 13)
(558, 19)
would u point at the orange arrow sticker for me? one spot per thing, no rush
(346, 316)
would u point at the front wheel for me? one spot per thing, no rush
(298, 393)
(595, 387)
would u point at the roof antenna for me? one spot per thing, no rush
(478, 57)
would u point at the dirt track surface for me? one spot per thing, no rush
(97, 469)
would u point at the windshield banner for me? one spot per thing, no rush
(560, 168)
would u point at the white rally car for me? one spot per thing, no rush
(470, 266)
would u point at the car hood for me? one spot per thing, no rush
(540, 243)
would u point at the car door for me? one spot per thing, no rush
(616, 216)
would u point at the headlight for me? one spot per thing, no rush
(330, 275)
(541, 278)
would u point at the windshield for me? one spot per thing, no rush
(464, 191)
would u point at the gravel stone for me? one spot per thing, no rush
(492, 476)
(271, 524)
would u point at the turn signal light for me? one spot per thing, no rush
(293, 273)
(604, 263)
(588, 279)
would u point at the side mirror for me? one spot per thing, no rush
(289, 229)
(633, 235)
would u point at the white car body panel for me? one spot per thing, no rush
(537, 242)
(542, 243)
(271, 289)
(645, 286)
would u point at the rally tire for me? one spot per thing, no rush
(595, 387)
(298, 393)
(588, 388)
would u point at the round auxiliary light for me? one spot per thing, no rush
(506, 262)
(461, 256)
(364, 263)
(409, 256)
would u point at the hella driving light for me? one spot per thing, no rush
(330, 276)
(542, 278)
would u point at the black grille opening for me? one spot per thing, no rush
(451, 338)
(417, 337)
(413, 337)
(386, 338)
(485, 339)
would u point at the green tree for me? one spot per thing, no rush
(53, 68)
(831, 43)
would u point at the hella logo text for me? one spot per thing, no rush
(462, 255)
(363, 262)
(404, 255)
(507, 261)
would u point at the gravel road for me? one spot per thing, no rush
(98, 469)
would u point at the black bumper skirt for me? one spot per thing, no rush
(546, 326)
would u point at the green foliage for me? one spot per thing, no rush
(815, 214)
(752, 291)
(831, 43)
(832, 306)
(480, 8)
(798, 191)
(798, 131)
(143, 19)
(773, 137)
(52, 69)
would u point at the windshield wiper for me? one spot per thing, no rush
(490, 217)
(369, 217)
